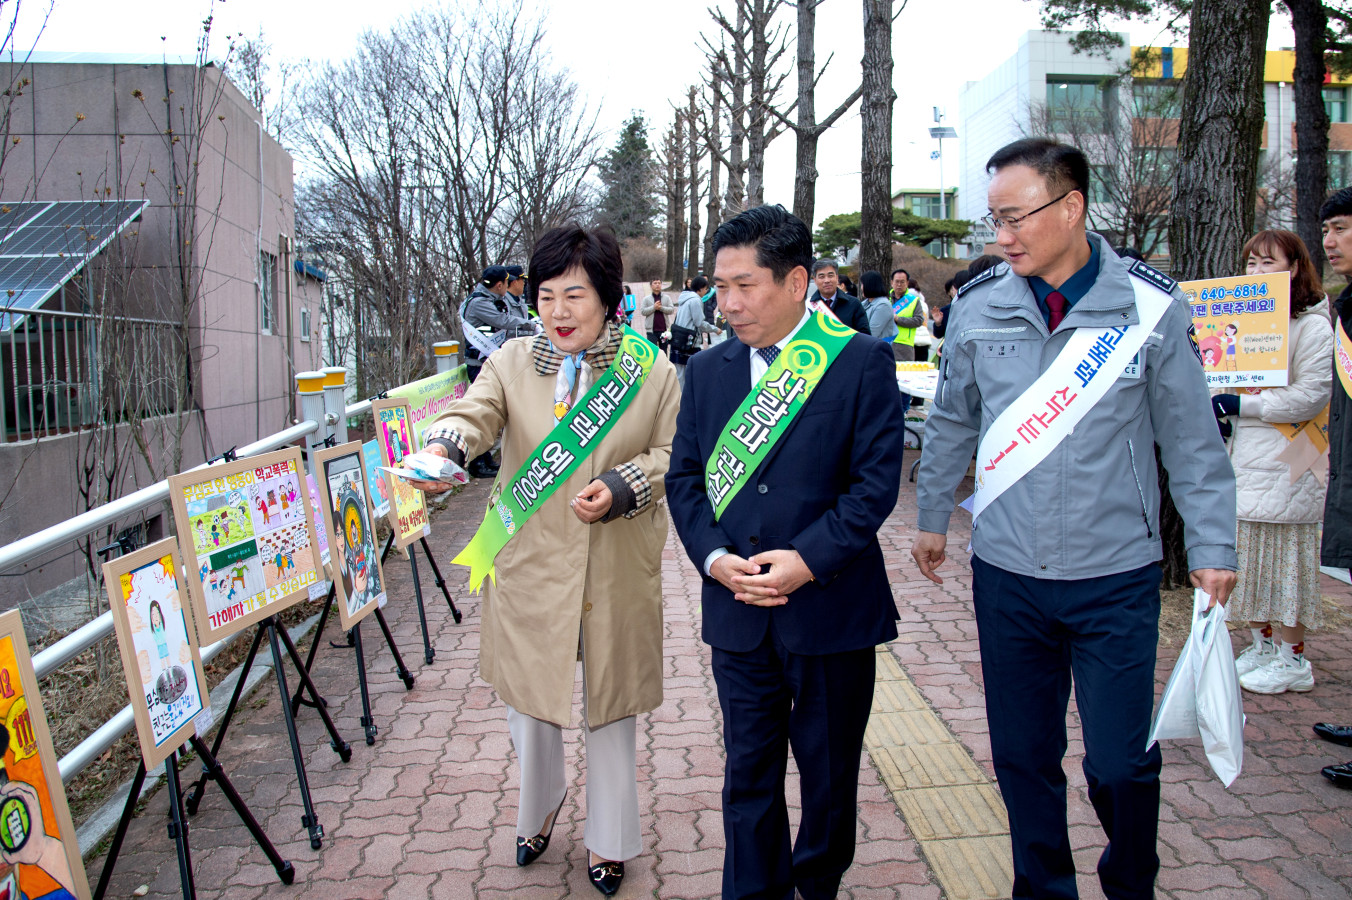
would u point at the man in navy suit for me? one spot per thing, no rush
(795, 596)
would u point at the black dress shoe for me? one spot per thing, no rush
(606, 877)
(1339, 775)
(528, 850)
(1338, 734)
(483, 470)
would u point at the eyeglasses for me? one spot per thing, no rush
(1011, 223)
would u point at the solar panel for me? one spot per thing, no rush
(43, 245)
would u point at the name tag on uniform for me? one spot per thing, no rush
(1133, 368)
(1002, 348)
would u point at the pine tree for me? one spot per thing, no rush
(629, 175)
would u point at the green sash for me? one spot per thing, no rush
(549, 465)
(767, 411)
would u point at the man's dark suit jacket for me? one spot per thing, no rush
(849, 310)
(825, 490)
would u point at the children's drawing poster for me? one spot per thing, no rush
(1242, 328)
(39, 855)
(380, 489)
(158, 642)
(358, 580)
(394, 435)
(320, 589)
(316, 510)
(247, 536)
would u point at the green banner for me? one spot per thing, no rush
(767, 411)
(549, 465)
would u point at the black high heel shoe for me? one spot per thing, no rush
(606, 876)
(528, 850)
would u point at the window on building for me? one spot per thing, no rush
(1338, 170)
(1156, 164)
(1335, 104)
(267, 292)
(1156, 99)
(305, 323)
(1100, 184)
(1077, 104)
(929, 207)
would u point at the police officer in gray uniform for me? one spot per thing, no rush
(1065, 574)
(515, 298)
(486, 309)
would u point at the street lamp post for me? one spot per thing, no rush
(940, 132)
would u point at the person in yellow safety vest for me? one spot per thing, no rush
(907, 314)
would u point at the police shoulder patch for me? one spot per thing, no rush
(984, 276)
(1153, 276)
(1192, 341)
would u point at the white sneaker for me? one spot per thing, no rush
(1255, 656)
(1278, 676)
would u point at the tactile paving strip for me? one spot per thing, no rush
(948, 803)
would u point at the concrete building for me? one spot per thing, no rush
(209, 263)
(1045, 83)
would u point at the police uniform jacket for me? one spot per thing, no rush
(1091, 508)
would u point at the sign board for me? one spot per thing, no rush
(160, 656)
(248, 539)
(1242, 328)
(358, 580)
(428, 398)
(39, 855)
(394, 436)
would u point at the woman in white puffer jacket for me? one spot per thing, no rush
(1279, 516)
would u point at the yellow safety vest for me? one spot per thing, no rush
(906, 335)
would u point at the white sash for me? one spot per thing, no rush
(1033, 425)
(482, 342)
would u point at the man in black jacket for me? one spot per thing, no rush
(847, 308)
(1336, 550)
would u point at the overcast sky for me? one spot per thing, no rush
(639, 55)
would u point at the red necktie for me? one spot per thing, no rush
(1056, 305)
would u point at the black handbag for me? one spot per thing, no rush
(683, 340)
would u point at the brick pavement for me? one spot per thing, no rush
(429, 811)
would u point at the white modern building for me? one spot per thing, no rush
(1046, 81)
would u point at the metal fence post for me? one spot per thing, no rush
(310, 388)
(335, 401)
(447, 354)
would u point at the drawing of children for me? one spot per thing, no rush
(263, 508)
(1231, 342)
(215, 534)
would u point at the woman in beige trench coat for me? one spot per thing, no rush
(581, 578)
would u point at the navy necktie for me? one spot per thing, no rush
(1056, 305)
(769, 354)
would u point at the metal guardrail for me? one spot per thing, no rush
(326, 415)
(81, 639)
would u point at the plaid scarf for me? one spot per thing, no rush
(599, 355)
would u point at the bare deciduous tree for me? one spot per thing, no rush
(694, 158)
(444, 145)
(875, 231)
(807, 129)
(675, 188)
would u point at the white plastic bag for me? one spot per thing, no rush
(1202, 698)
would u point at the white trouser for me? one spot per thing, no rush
(612, 780)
